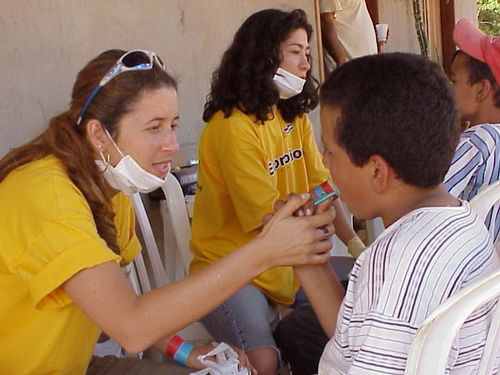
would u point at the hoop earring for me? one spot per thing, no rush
(105, 159)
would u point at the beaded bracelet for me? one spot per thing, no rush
(179, 350)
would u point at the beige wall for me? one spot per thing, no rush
(399, 15)
(466, 8)
(45, 42)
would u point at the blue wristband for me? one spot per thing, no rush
(182, 354)
(327, 196)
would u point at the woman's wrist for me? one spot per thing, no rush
(179, 350)
(193, 360)
(259, 251)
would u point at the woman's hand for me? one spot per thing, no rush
(195, 363)
(193, 360)
(292, 240)
(310, 208)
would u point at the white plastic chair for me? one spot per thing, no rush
(176, 259)
(155, 263)
(484, 200)
(431, 346)
(137, 273)
(175, 222)
(144, 278)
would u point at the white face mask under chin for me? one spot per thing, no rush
(288, 84)
(128, 176)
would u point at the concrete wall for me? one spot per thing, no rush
(399, 15)
(466, 8)
(45, 43)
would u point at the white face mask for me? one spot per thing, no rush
(128, 176)
(288, 84)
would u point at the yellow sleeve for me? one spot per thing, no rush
(49, 231)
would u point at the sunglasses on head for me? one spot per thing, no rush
(137, 59)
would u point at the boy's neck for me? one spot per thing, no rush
(486, 114)
(409, 198)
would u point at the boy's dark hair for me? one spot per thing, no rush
(397, 105)
(478, 71)
(244, 78)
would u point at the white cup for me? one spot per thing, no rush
(382, 29)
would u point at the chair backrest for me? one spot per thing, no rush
(175, 213)
(159, 275)
(196, 332)
(431, 346)
(484, 201)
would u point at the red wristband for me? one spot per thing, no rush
(173, 345)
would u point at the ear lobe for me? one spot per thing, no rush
(96, 134)
(380, 173)
(483, 90)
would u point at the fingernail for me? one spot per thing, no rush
(304, 195)
(308, 212)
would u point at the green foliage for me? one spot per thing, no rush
(489, 16)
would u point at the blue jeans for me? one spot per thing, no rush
(244, 320)
(299, 335)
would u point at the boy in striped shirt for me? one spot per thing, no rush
(475, 74)
(390, 128)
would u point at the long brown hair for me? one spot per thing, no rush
(68, 142)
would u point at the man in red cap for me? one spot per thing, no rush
(475, 74)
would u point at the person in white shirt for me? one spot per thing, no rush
(475, 74)
(347, 31)
(390, 128)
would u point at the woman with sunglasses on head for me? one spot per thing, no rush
(257, 147)
(67, 227)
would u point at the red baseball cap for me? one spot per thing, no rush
(474, 42)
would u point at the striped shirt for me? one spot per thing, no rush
(476, 165)
(416, 263)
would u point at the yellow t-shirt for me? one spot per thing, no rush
(48, 234)
(244, 168)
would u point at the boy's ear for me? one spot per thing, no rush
(96, 134)
(482, 89)
(381, 173)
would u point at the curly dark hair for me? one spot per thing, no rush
(400, 106)
(478, 71)
(244, 78)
